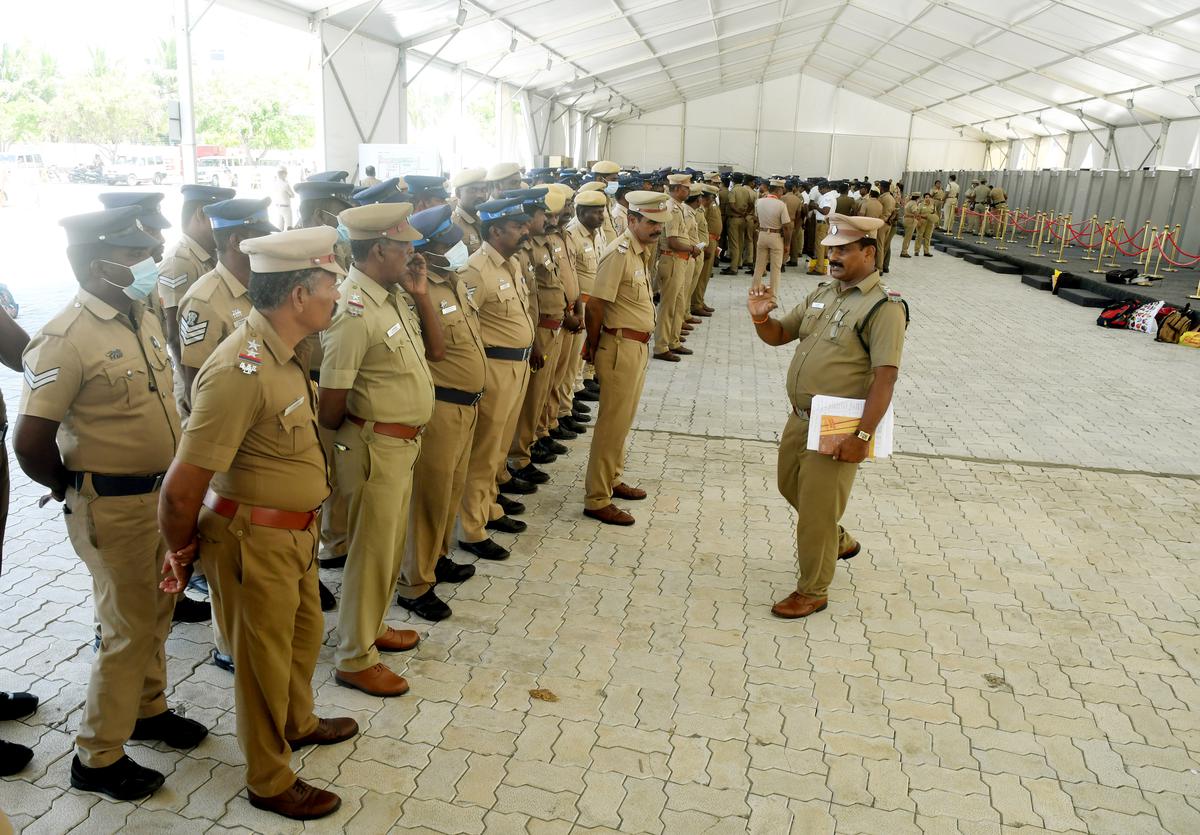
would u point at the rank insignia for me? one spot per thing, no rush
(354, 305)
(157, 345)
(250, 359)
(236, 313)
(115, 354)
(174, 282)
(36, 381)
(470, 293)
(191, 329)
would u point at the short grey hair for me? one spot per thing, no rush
(268, 291)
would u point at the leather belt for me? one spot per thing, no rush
(550, 324)
(119, 485)
(513, 354)
(265, 517)
(587, 297)
(764, 229)
(630, 333)
(457, 396)
(393, 430)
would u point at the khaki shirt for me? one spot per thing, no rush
(470, 226)
(587, 255)
(374, 349)
(490, 283)
(952, 191)
(620, 215)
(912, 211)
(608, 229)
(210, 311)
(772, 213)
(845, 204)
(623, 281)
(927, 211)
(551, 298)
(701, 226)
(562, 249)
(888, 202)
(182, 268)
(464, 365)
(741, 201)
(712, 215)
(997, 196)
(690, 224)
(254, 422)
(981, 194)
(793, 203)
(869, 207)
(107, 382)
(676, 225)
(829, 358)
(939, 197)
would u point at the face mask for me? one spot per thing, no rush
(145, 276)
(343, 233)
(456, 256)
(610, 189)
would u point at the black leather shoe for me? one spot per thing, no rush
(171, 728)
(588, 396)
(518, 487)
(506, 525)
(219, 659)
(17, 705)
(511, 507)
(571, 425)
(560, 434)
(449, 571)
(530, 473)
(554, 447)
(328, 601)
(13, 758)
(580, 417)
(191, 611)
(199, 584)
(539, 454)
(579, 407)
(592, 385)
(728, 271)
(428, 606)
(333, 562)
(123, 780)
(485, 549)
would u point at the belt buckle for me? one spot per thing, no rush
(158, 480)
(478, 397)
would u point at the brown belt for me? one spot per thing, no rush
(683, 256)
(764, 229)
(586, 297)
(550, 324)
(392, 430)
(629, 333)
(266, 517)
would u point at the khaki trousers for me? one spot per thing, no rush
(911, 229)
(558, 381)
(441, 474)
(883, 251)
(671, 272)
(736, 233)
(819, 264)
(375, 472)
(770, 248)
(621, 369)
(948, 214)
(571, 379)
(797, 241)
(683, 308)
(818, 488)
(264, 585)
(503, 392)
(333, 512)
(698, 292)
(117, 538)
(926, 239)
(531, 419)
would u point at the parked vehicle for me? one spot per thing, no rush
(136, 170)
(86, 174)
(217, 171)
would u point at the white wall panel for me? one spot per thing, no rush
(815, 113)
(662, 146)
(775, 152)
(364, 67)
(737, 148)
(887, 156)
(1133, 145)
(703, 147)
(733, 107)
(781, 99)
(851, 154)
(860, 115)
(811, 154)
(1183, 145)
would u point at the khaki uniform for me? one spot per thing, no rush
(929, 215)
(584, 248)
(698, 264)
(741, 202)
(608, 228)
(750, 237)
(939, 201)
(672, 268)
(979, 198)
(374, 349)
(180, 269)
(470, 226)
(491, 284)
(209, 312)
(999, 201)
(684, 288)
(830, 360)
(723, 204)
(869, 207)
(883, 254)
(441, 471)
(712, 219)
(623, 282)
(620, 216)
(4, 477)
(773, 215)
(254, 424)
(794, 204)
(562, 247)
(912, 225)
(950, 206)
(105, 378)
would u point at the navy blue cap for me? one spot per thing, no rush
(115, 227)
(435, 225)
(324, 189)
(193, 192)
(533, 197)
(388, 191)
(240, 212)
(426, 185)
(508, 207)
(329, 177)
(146, 201)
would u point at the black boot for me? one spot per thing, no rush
(518, 487)
(328, 601)
(13, 758)
(449, 571)
(530, 473)
(539, 454)
(171, 728)
(506, 525)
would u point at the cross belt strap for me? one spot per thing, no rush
(119, 485)
(456, 396)
(513, 354)
(630, 333)
(265, 517)
(392, 430)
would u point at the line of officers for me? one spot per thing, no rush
(257, 404)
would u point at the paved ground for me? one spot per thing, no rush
(1016, 647)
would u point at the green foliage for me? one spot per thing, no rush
(28, 84)
(252, 116)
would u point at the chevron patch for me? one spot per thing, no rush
(36, 381)
(174, 282)
(191, 330)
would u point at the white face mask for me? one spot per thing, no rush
(456, 256)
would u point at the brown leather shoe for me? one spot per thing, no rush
(374, 681)
(797, 605)
(301, 802)
(709, 310)
(692, 320)
(397, 640)
(685, 351)
(610, 514)
(624, 491)
(667, 356)
(701, 312)
(850, 554)
(328, 732)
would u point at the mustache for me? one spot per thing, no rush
(835, 263)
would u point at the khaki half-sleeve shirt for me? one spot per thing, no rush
(182, 268)
(210, 311)
(464, 365)
(623, 282)
(470, 226)
(587, 255)
(490, 282)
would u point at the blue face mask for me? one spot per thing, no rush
(456, 256)
(611, 189)
(343, 233)
(145, 276)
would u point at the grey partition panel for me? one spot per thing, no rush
(1127, 190)
(1158, 197)
(1104, 193)
(1186, 209)
(1056, 192)
(1077, 196)
(1018, 186)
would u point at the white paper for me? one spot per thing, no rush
(849, 407)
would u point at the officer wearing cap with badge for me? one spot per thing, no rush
(98, 427)
(713, 223)
(152, 221)
(850, 335)
(490, 282)
(242, 494)
(559, 418)
(458, 381)
(676, 250)
(425, 192)
(502, 177)
(605, 171)
(471, 189)
(584, 231)
(620, 321)
(377, 393)
(389, 191)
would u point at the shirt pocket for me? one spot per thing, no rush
(297, 431)
(129, 382)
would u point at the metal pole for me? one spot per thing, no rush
(1003, 247)
(1150, 251)
(1174, 240)
(1158, 261)
(1100, 256)
(1047, 223)
(1063, 244)
(183, 66)
(1112, 256)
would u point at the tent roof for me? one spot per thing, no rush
(1005, 68)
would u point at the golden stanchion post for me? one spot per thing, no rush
(1099, 268)
(1044, 235)
(1012, 238)
(1037, 230)
(962, 218)
(1174, 240)
(1112, 255)
(1092, 235)
(1062, 246)
(983, 227)
(1158, 262)
(1002, 247)
(1144, 267)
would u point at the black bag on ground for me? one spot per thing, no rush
(1125, 276)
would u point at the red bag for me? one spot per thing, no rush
(1118, 314)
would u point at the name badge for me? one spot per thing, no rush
(818, 305)
(449, 309)
(394, 329)
(504, 285)
(295, 404)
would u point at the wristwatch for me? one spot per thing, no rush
(865, 437)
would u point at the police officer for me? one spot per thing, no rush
(712, 219)
(938, 194)
(912, 224)
(741, 201)
(98, 427)
(377, 393)
(583, 230)
(490, 282)
(559, 415)
(929, 214)
(676, 249)
(774, 235)
(795, 203)
(391, 190)
(998, 198)
(425, 192)
(458, 378)
(152, 221)
(471, 189)
(951, 204)
(502, 177)
(850, 334)
(606, 171)
(620, 321)
(891, 210)
(243, 494)
(822, 208)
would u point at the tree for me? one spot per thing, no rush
(256, 118)
(29, 83)
(108, 106)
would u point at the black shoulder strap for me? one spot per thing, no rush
(866, 320)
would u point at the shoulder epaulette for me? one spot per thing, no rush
(62, 321)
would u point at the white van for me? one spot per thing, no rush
(136, 170)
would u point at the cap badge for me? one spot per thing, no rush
(833, 230)
(115, 354)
